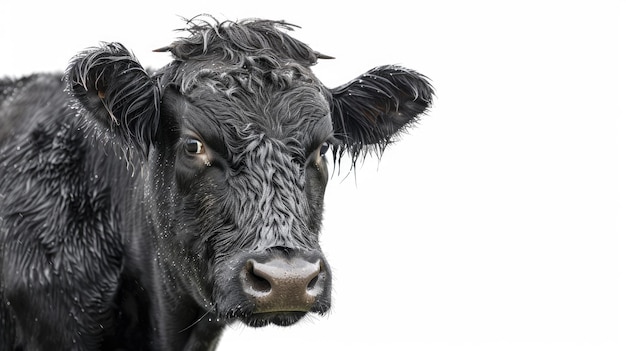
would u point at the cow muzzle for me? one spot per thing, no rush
(285, 282)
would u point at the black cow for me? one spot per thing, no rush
(147, 211)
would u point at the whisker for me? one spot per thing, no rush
(196, 322)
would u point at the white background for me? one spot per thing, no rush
(497, 224)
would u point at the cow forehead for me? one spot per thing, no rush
(249, 72)
(282, 101)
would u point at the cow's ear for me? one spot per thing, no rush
(369, 111)
(116, 91)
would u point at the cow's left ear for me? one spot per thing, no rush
(117, 92)
(368, 111)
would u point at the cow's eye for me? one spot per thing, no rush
(324, 148)
(194, 146)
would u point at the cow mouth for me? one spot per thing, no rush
(282, 319)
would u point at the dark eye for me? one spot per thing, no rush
(194, 146)
(324, 148)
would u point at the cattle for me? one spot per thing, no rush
(147, 210)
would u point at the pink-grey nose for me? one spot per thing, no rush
(283, 284)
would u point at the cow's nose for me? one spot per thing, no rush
(283, 284)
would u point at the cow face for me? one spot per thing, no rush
(234, 135)
(247, 166)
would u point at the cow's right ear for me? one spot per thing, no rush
(117, 92)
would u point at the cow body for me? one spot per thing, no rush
(146, 212)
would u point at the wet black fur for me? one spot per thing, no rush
(113, 236)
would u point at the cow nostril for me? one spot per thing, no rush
(255, 284)
(316, 284)
(313, 283)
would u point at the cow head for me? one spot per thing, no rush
(233, 136)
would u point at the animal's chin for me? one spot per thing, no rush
(282, 319)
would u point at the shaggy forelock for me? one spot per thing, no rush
(232, 41)
(249, 52)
